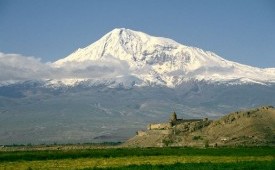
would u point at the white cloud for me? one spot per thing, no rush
(18, 67)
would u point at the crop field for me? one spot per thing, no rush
(141, 158)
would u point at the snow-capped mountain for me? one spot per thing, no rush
(162, 61)
(114, 87)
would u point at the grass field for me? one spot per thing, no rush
(141, 158)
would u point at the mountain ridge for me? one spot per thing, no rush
(127, 58)
(164, 61)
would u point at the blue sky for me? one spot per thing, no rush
(238, 30)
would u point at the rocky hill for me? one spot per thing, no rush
(249, 127)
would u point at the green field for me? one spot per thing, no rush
(141, 158)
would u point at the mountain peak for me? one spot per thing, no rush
(124, 44)
(119, 31)
(128, 35)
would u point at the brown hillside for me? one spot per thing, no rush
(256, 126)
(251, 127)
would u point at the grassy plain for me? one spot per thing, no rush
(141, 158)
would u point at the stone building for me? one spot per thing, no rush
(172, 122)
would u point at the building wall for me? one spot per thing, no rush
(179, 121)
(159, 126)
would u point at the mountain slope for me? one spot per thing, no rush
(162, 61)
